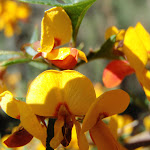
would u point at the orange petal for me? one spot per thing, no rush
(143, 35)
(18, 138)
(115, 72)
(134, 50)
(54, 88)
(109, 103)
(103, 138)
(8, 104)
(59, 54)
(69, 62)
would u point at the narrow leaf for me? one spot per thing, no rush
(4, 55)
(15, 61)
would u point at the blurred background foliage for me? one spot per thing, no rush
(99, 17)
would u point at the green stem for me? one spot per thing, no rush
(50, 133)
(105, 51)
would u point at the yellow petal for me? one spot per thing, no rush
(134, 50)
(58, 136)
(144, 78)
(111, 31)
(54, 88)
(59, 54)
(30, 122)
(103, 138)
(120, 35)
(143, 35)
(56, 28)
(109, 103)
(7, 103)
(47, 38)
(82, 141)
(82, 56)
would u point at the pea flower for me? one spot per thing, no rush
(119, 38)
(56, 30)
(11, 13)
(63, 95)
(136, 49)
(105, 105)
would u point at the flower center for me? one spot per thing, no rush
(68, 124)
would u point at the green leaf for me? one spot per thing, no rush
(76, 10)
(4, 55)
(106, 50)
(15, 61)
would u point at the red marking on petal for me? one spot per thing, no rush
(18, 138)
(92, 137)
(69, 62)
(42, 119)
(37, 55)
(58, 107)
(18, 117)
(57, 42)
(115, 72)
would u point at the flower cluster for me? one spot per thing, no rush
(56, 30)
(135, 49)
(11, 12)
(65, 97)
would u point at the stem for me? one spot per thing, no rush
(105, 51)
(50, 133)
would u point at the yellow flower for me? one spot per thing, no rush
(53, 94)
(56, 30)
(10, 14)
(119, 37)
(136, 47)
(106, 105)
